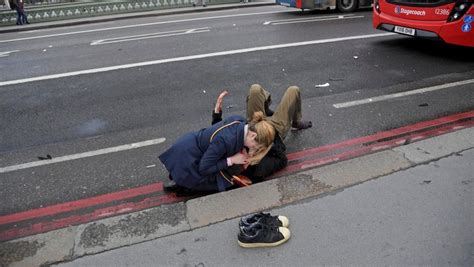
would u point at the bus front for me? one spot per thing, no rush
(449, 20)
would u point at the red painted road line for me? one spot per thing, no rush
(79, 204)
(383, 135)
(372, 148)
(157, 187)
(97, 214)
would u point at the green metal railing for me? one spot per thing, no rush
(61, 11)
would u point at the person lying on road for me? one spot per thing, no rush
(287, 115)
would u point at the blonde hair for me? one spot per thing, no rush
(265, 136)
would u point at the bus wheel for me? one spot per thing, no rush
(346, 5)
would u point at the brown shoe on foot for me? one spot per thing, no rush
(301, 125)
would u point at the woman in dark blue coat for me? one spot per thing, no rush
(197, 159)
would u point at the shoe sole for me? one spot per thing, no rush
(286, 236)
(284, 221)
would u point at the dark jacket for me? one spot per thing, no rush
(274, 161)
(19, 4)
(195, 162)
(12, 4)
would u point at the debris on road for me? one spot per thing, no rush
(321, 85)
(45, 158)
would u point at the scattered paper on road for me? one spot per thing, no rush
(321, 85)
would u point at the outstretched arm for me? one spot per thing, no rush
(217, 112)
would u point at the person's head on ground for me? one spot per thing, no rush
(259, 137)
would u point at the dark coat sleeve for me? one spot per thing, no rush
(213, 160)
(216, 117)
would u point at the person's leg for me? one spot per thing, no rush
(288, 109)
(18, 16)
(205, 187)
(22, 16)
(288, 113)
(25, 18)
(258, 99)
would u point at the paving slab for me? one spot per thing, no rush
(230, 204)
(54, 246)
(361, 169)
(438, 147)
(129, 229)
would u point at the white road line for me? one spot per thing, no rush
(148, 36)
(82, 155)
(322, 18)
(7, 53)
(185, 58)
(139, 25)
(407, 93)
(316, 20)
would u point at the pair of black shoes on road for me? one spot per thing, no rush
(263, 230)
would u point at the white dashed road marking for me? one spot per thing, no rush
(82, 155)
(148, 36)
(402, 94)
(315, 19)
(7, 53)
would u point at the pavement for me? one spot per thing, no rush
(106, 18)
(408, 205)
(421, 216)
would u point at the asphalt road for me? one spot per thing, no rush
(141, 79)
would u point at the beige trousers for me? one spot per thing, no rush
(287, 111)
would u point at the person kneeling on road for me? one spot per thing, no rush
(197, 160)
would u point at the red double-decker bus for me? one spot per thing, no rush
(449, 20)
